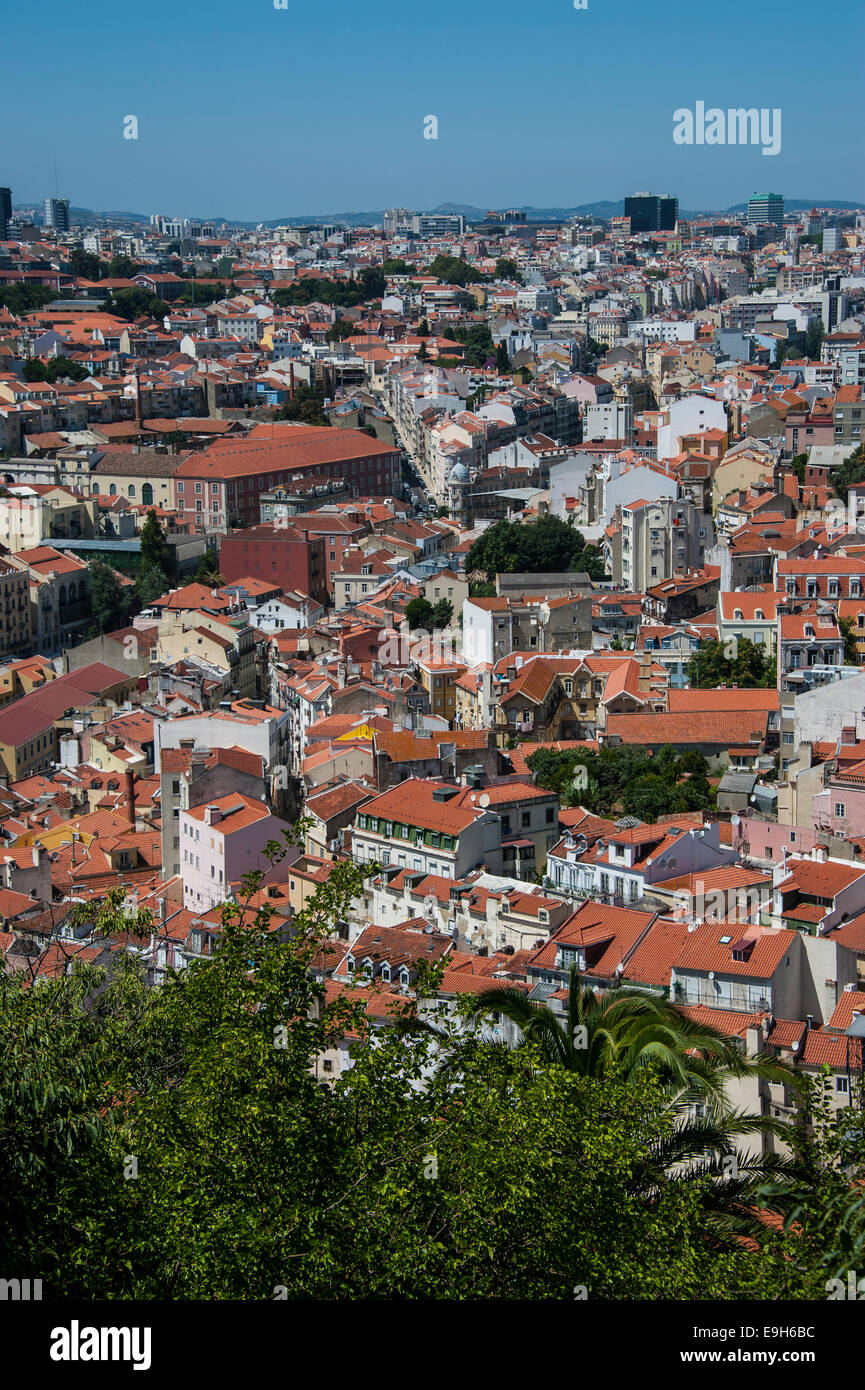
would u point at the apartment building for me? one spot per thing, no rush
(423, 825)
(16, 630)
(220, 842)
(660, 539)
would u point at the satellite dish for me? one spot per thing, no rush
(484, 800)
(735, 820)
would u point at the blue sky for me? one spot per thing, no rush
(251, 112)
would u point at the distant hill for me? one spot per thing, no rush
(603, 210)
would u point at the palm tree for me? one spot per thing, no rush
(629, 1033)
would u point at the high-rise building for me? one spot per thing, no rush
(652, 212)
(766, 208)
(438, 224)
(57, 214)
(5, 212)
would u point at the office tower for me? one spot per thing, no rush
(652, 212)
(766, 208)
(438, 224)
(5, 212)
(397, 220)
(57, 214)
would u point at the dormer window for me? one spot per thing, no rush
(349, 964)
(737, 614)
(758, 615)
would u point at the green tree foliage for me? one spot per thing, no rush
(135, 304)
(814, 339)
(852, 470)
(85, 265)
(397, 266)
(506, 269)
(625, 779)
(826, 1208)
(111, 601)
(152, 583)
(503, 362)
(307, 406)
(798, 465)
(200, 292)
(423, 330)
(737, 662)
(24, 299)
(54, 369)
(442, 613)
(452, 270)
(545, 546)
(478, 341)
(122, 268)
(418, 614)
(503, 1175)
(848, 632)
(348, 293)
(156, 553)
(339, 329)
(208, 570)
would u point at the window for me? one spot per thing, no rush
(842, 1085)
(525, 819)
(840, 810)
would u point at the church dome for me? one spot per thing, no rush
(458, 474)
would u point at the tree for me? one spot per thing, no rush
(307, 406)
(849, 633)
(814, 339)
(507, 1176)
(852, 470)
(397, 267)
(122, 268)
(208, 571)
(423, 328)
(798, 466)
(478, 342)
(152, 583)
(507, 269)
(419, 614)
(58, 368)
(452, 270)
(738, 662)
(625, 779)
(23, 299)
(199, 292)
(156, 553)
(442, 613)
(339, 329)
(85, 265)
(540, 547)
(135, 304)
(422, 354)
(503, 362)
(110, 600)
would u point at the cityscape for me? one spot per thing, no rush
(432, 730)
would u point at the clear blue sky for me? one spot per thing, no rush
(251, 112)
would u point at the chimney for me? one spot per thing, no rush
(291, 381)
(212, 815)
(129, 778)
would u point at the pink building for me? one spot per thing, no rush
(223, 840)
